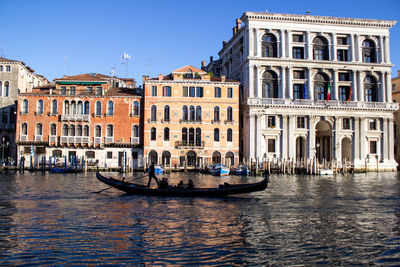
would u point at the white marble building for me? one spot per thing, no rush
(313, 86)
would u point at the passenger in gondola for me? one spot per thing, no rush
(190, 184)
(164, 183)
(152, 174)
(266, 175)
(180, 185)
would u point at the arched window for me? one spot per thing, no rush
(98, 131)
(216, 157)
(191, 136)
(216, 114)
(110, 108)
(229, 135)
(153, 134)
(79, 130)
(25, 106)
(216, 135)
(166, 113)
(370, 89)
(229, 114)
(166, 134)
(87, 108)
(98, 108)
(269, 47)
(72, 130)
(110, 131)
(39, 129)
(198, 137)
(40, 107)
(80, 108)
(269, 85)
(86, 130)
(65, 130)
(135, 131)
(24, 129)
(6, 89)
(198, 113)
(321, 48)
(153, 115)
(53, 130)
(321, 84)
(73, 107)
(185, 113)
(135, 108)
(192, 113)
(369, 51)
(184, 136)
(66, 107)
(54, 107)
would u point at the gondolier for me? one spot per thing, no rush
(152, 174)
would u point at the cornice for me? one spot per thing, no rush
(188, 82)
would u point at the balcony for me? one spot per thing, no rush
(75, 117)
(23, 138)
(134, 140)
(38, 138)
(97, 140)
(52, 138)
(185, 145)
(190, 121)
(73, 139)
(108, 140)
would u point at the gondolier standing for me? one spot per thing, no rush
(152, 174)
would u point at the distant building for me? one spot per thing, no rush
(15, 77)
(88, 115)
(396, 128)
(313, 87)
(191, 119)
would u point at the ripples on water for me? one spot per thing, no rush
(55, 219)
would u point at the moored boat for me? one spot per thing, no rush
(242, 170)
(223, 190)
(158, 170)
(218, 170)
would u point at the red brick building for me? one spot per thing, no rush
(90, 115)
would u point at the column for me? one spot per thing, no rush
(389, 86)
(290, 83)
(390, 140)
(288, 44)
(385, 136)
(356, 139)
(362, 140)
(359, 87)
(336, 146)
(283, 43)
(351, 50)
(283, 83)
(381, 50)
(387, 50)
(333, 56)
(308, 46)
(311, 137)
(284, 137)
(257, 82)
(251, 81)
(335, 84)
(252, 137)
(258, 137)
(310, 92)
(357, 47)
(354, 86)
(290, 135)
(383, 87)
(256, 44)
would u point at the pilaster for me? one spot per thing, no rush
(252, 136)
(385, 136)
(284, 128)
(308, 46)
(290, 83)
(283, 44)
(381, 50)
(390, 140)
(288, 44)
(333, 50)
(359, 87)
(258, 137)
(357, 47)
(335, 84)
(290, 140)
(387, 50)
(310, 92)
(354, 85)
(362, 140)
(388, 86)
(283, 83)
(383, 86)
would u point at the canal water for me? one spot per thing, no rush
(56, 219)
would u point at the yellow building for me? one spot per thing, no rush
(191, 119)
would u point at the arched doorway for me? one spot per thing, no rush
(216, 158)
(346, 149)
(323, 137)
(230, 159)
(300, 148)
(191, 158)
(153, 157)
(166, 158)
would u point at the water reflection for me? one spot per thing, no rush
(56, 219)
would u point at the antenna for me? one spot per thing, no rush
(125, 59)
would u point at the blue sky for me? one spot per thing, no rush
(73, 37)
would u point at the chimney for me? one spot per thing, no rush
(211, 59)
(224, 43)
(223, 78)
(160, 77)
(203, 64)
(398, 73)
(238, 24)
(234, 30)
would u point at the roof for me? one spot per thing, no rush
(120, 91)
(84, 77)
(2, 59)
(186, 68)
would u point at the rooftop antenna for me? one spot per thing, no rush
(125, 59)
(112, 72)
(308, 12)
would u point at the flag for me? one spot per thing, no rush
(329, 92)
(350, 93)
(305, 92)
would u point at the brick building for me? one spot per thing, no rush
(191, 118)
(90, 115)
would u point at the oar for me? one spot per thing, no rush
(137, 178)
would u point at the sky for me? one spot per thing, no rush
(58, 38)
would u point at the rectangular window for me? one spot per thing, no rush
(298, 74)
(346, 124)
(372, 124)
(167, 91)
(342, 55)
(393, 87)
(185, 91)
(271, 145)
(298, 38)
(344, 76)
(301, 122)
(8, 68)
(298, 91)
(89, 89)
(192, 91)
(217, 92)
(1, 68)
(298, 52)
(72, 90)
(99, 90)
(343, 93)
(154, 91)
(63, 90)
(199, 91)
(109, 154)
(271, 122)
(230, 92)
(342, 41)
(372, 147)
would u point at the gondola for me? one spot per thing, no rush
(223, 190)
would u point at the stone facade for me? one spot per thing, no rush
(313, 87)
(396, 127)
(191, 119)
(82, 116)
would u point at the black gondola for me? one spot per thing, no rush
(222, 190)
